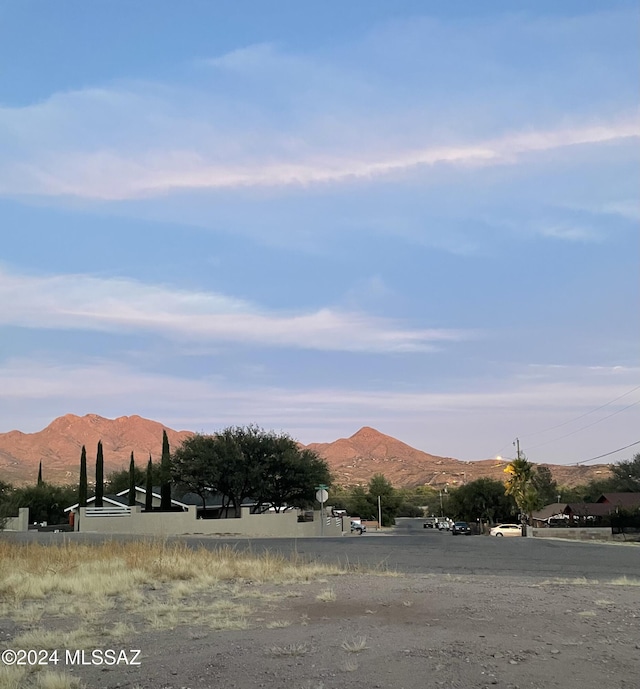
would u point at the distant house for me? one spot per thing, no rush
(550, 515)
(568, 514)
(121, 500)
(591, 512)
(620, 501)
(216, 505)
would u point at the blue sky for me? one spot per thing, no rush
(418, 216)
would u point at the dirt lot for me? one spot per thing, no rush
(398, 632)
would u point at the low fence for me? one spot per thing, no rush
(107, 512)
(595, 533)
(624, 523)
(133, 520)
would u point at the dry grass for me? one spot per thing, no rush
(159, 585)
(278, 624)
(34, 571)
(289, 650)
(41, 638)
(22, 678)
(625, 581)
(355, 645)
(36, 578)
(11, 677)
(350, 665)
(583, 581)
(326, 596)
(57, 680)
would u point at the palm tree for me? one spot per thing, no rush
(520, 485)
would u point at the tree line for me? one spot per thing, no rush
(237, 464)
(528, 488)
(246, 462)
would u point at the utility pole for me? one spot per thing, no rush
(517, 444)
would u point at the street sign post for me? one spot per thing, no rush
(322, 496)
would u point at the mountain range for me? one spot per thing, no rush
(352, 460)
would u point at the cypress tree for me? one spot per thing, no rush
(82, 488)
(40, 474)
(99, 476)
(165, 474)
(148, 498)
(132, 482)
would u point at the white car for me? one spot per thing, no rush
(506, 530)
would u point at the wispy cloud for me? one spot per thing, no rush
(573, 387)
(570, 233)
(470, 423)
(83, 302)
(117, 175)
(259, 117)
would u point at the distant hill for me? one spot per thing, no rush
(58, 446)
(352, 460)
(355, 459)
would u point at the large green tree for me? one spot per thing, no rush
(196, 466)
(290, 475)
(545, 485)
(359, 504)
(363, 502)
(242, 450)
(484, 499)
(46, 502)
(6, 506)
(420, 498)
(626, 475)
(248, 462)
(390, 499)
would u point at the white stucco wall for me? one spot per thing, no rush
(161, 524)
(19, 523)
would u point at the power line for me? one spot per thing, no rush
(606, 454)
(578, 430)
(577, 418)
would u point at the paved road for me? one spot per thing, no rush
(418, 550)
(413, 549)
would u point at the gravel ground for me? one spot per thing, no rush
(404, 632)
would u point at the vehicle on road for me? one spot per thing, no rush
(506, 530)
(358, 527)
(443, 525)
(460, 528)
(430, 523)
